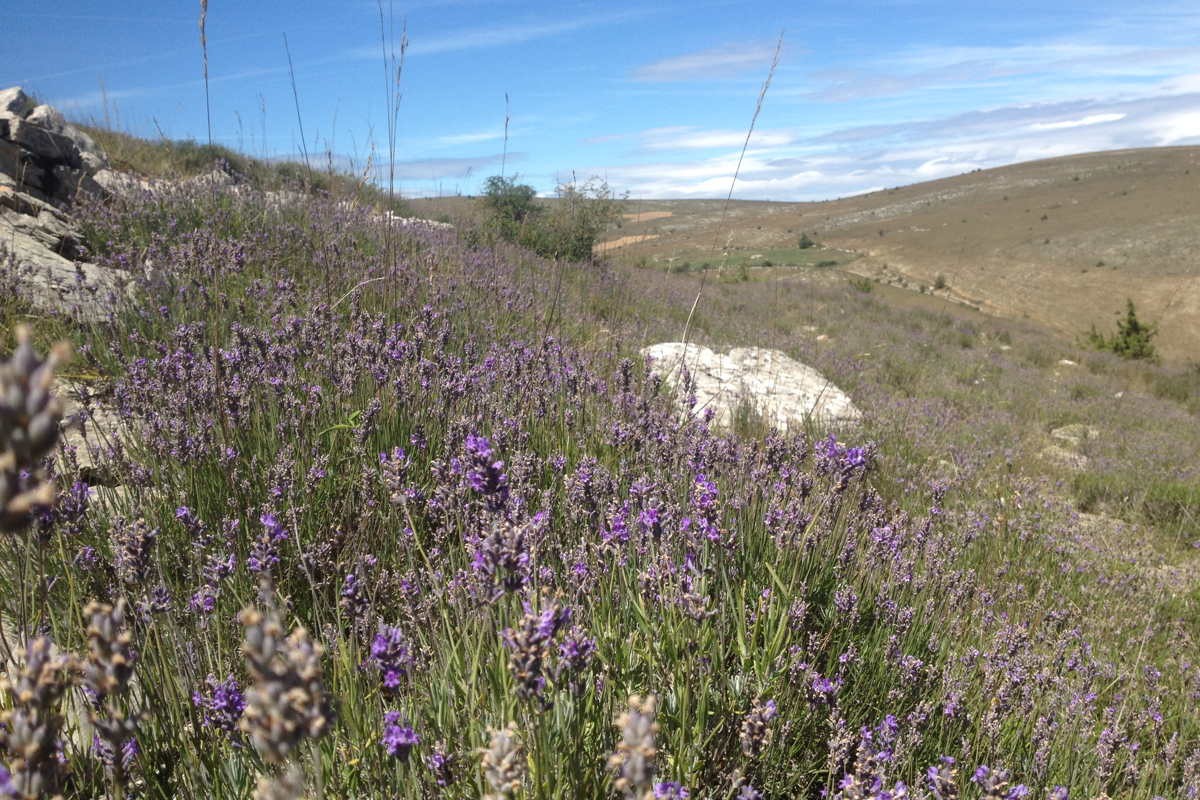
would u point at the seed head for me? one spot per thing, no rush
(503, 762)
(633, 760)
(29, 424)
(286, 702)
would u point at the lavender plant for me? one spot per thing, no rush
(544, 535)
(29, 420)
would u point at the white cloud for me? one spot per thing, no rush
(1181, 128)
(470, 138)
(499, 35)
(1093, 119)
(717, 62)
(686, 138)
(857, 160)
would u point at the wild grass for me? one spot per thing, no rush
(487, 515)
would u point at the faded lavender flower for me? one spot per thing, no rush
(288, 785)
(398, 738)
(393, 468)
(942, 779)
(633, 760)
(530, 646)
(133, 550)
(29, 423)
(503, 762)
(994, 785)
(286, 702)
(107, 675)
(31, 723)
(756, 730)
(502, 556)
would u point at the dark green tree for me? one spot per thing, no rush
(510, 204)
(1132, 339)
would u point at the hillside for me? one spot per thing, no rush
(368, 508)
(1061, 242)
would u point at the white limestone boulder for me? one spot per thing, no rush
(787, 394)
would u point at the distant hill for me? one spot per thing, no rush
(1062, 241)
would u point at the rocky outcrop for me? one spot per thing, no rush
(788, 395)
(45, 165)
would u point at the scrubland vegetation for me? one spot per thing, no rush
(399, 512)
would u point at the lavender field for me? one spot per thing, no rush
(395, 512)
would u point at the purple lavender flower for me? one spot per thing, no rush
(441, 763)
(942, 779)
(220, 704)
(485, 473)
(398, 739)
(530, 646)
(670, 790)
(264, 554)
(103, 749)
(390, 656)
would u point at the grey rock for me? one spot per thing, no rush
(787, 394)
(90, 431)
(1075, 435)
(46, 277)
(43, 143)
(19, 165)
(1066, 459)
(14, 102)
(47, 117)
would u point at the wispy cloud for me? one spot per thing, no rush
(693, 139)
(717, 62)
(464, 39)
(866, 158)
(456, 139)
(1091, 119)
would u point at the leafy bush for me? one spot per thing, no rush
(1132, 339)
(567, 227)
(806, 242)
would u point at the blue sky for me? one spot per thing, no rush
(656, 98)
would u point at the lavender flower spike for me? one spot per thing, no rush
(503, 763)
(29, 420)
(286, 702)
(633, 760)
(30, 726)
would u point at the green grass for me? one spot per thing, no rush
(171, 159)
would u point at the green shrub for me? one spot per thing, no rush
(806, 242)
(1132, 339)
(861, 284)
(567, 228)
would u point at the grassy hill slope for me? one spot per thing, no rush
(1062, 242)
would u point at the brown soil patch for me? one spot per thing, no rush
(607, 247)
(647, 216)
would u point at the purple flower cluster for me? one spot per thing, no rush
(220, 704)
(391, 657)
(264, 553)
(398, 738)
